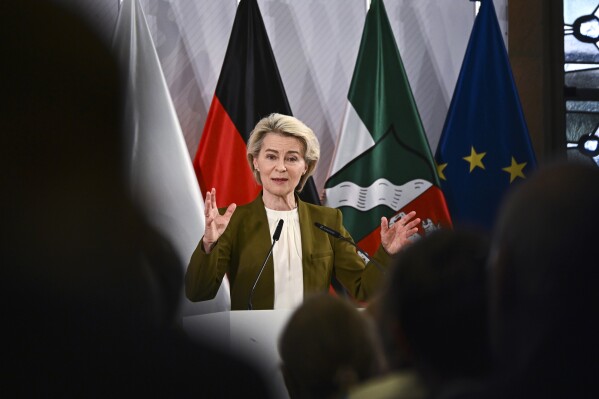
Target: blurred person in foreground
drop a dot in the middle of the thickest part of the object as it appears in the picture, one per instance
(432, 318)
(282, 153)
(89, 290)
(327, 347)
(544, 286)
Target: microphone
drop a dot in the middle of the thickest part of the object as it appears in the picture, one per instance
(275, 238)
(337, 234)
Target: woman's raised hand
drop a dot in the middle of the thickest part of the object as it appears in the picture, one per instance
(395, 237)
(215, 222)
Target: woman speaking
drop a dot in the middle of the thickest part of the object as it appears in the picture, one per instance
(282, 153)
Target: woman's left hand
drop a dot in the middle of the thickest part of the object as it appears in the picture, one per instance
(395, 237)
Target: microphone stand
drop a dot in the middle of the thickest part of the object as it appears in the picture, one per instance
(338, 235)
(275, 238)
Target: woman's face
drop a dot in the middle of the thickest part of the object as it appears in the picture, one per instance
(280, 163)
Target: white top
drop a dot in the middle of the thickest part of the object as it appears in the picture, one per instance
(287, 258)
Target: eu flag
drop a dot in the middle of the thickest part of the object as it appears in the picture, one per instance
(485, 147)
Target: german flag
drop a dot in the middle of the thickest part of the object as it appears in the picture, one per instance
(249, 88)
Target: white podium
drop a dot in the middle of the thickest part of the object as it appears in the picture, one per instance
(252, 334)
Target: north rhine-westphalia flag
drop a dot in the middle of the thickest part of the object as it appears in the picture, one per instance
(249, 88)
(485, 147)
(383, 164)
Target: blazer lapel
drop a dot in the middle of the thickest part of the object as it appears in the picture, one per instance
(264, 293)
(317, 254)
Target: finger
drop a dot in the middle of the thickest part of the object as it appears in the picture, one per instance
(207, 204)
(412, 231)
(208, 224)
(408, 217)
(230, 209)
(414, 223)
(214, 198)
(384, 224)
(214, 203)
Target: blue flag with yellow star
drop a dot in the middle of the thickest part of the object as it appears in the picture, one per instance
(485, 147)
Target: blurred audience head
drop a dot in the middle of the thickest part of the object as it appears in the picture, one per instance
(327, 347)
(433, 310)
(544, 281)
(63, 109)
(83, 273)
(90, 291)
(70, 229)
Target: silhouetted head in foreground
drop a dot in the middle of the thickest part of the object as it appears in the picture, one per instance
(544, 283)
(433, 311)
(89, 289)
(327, 347)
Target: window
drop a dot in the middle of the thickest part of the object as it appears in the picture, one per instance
(581, 68)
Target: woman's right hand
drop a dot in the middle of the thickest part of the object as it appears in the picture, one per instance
(216, 223)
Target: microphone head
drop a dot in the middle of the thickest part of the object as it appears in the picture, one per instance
(277, 233)
(328, 230)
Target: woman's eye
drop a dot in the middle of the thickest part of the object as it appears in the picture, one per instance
(270, 156)
(292, 159)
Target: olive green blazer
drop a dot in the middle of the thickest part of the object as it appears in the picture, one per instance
(242, 248)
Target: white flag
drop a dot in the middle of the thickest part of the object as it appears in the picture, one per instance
(161, 175)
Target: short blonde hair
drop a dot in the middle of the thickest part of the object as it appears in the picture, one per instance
(287, 126)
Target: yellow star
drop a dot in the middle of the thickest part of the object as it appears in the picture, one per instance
(475, 159)
(515, 170)
(440, 169)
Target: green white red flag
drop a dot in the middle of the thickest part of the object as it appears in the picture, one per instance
(383, 165)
